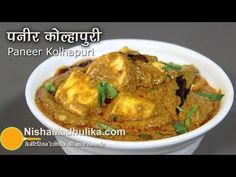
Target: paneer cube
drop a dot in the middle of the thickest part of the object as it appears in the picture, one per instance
(115, 68)
(130, 107)
(119, 66)
(76, 94)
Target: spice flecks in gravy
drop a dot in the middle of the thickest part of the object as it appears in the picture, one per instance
(147, 98)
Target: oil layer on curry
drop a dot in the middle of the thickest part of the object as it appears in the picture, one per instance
(147, 98)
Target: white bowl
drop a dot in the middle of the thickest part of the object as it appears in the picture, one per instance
(182, 144)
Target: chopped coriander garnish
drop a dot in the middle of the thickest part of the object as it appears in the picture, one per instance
(112, 92)
(172, 66)
(189, 114)
(180, 128)
(50, 87)
(101, 93)
(144, 136)
(158, 132)
(105, 127)
(105, 90)
(211, 96)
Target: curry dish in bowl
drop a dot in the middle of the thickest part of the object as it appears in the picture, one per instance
(127, 90)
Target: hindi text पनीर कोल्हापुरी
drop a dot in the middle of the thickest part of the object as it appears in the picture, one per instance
(26, 35)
